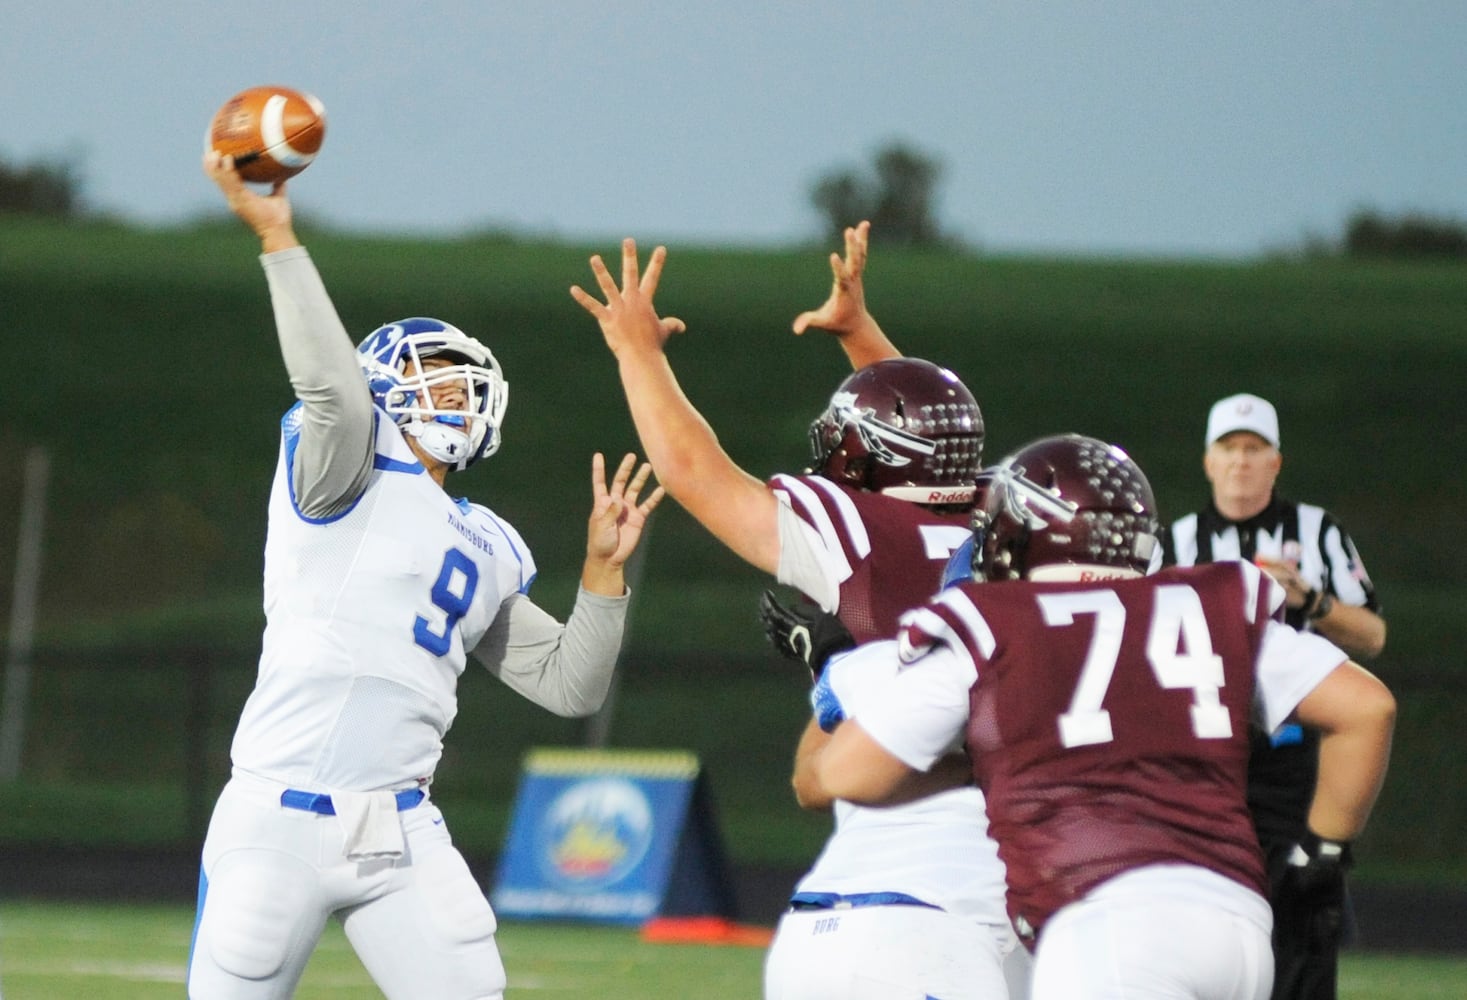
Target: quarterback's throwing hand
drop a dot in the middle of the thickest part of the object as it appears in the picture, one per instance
(268, 215)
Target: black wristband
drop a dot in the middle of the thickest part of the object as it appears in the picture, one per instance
(1322, 606)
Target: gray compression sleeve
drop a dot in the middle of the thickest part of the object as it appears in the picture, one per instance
(333, 457)
(564, 668)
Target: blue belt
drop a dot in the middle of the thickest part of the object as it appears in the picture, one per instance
(318, 802)
(835, 901)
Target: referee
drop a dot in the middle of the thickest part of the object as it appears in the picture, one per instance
(1308, 552)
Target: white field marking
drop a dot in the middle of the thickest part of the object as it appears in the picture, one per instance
(582, 985)
(158, 972)
(147, 972)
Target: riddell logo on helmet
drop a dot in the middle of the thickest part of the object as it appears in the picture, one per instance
(1092, 575)
(951, 494)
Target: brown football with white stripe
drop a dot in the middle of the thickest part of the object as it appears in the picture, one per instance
(272, 132)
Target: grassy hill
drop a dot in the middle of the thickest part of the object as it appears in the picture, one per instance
(145, 363)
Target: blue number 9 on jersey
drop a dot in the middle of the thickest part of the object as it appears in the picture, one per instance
(453, 593)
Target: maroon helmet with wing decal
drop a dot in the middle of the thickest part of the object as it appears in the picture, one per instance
(904, 427)
(1065, 501)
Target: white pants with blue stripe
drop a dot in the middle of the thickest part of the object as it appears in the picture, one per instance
(273, 875)
(892, 952)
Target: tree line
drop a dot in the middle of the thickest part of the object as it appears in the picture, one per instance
(898, 194)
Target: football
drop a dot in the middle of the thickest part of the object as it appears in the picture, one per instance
(272, 132)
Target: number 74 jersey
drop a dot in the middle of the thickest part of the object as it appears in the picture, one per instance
(1107, 721)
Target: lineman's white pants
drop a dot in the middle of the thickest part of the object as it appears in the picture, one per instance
(887, 953)
(1129, 941)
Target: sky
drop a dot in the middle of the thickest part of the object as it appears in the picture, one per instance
(1089, 127)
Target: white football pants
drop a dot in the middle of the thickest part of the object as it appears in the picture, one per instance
(272, 876)
(890, 953)
(1161, 948)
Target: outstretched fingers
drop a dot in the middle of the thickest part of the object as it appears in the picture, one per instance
(589, 302)
(629, 487)
(857, 238)
(654, 269)
(629, 267)
(605, 282)
(623, 473)
(638, 484)
(598, 477)
(627, 315)
(650, 280)
(647, 506)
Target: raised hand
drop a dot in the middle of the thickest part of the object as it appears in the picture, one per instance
(628, 319)
(268, 215)
(618, 516)
(845, 309)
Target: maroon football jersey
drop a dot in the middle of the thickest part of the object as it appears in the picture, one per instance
(1108, 727)
(895, 549)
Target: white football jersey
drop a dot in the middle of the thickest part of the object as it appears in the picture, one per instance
(369, 617)
(935, 849)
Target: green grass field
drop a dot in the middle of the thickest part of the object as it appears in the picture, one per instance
(52, 950)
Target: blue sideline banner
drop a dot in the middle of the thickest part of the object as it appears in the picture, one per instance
(612, 836)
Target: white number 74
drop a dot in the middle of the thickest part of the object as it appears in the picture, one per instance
(1177, 623)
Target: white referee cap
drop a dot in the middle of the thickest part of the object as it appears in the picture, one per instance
(1243, 412)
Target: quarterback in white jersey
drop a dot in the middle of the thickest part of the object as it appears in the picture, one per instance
(378, 585)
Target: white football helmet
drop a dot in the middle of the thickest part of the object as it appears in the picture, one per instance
(457, 437)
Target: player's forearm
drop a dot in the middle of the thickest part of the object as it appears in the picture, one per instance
(588, 652)
(809, 793)
(866, 343)
(314, 343)
(278, 237)
(678, 441)
(599, 576)
(566, 669)
(855, 767)
(1358, 631)
(693, 467)
(951, 771)
(1352, 767)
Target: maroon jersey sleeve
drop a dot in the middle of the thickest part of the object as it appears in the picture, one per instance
(895, 550)
(1109, 727)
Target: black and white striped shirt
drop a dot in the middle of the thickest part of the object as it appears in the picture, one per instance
(1282, 769)
(1302, 533)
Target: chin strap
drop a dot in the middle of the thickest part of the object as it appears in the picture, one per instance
(444, 442)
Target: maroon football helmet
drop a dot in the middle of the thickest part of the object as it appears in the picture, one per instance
(1063, 500)
(904, 427)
